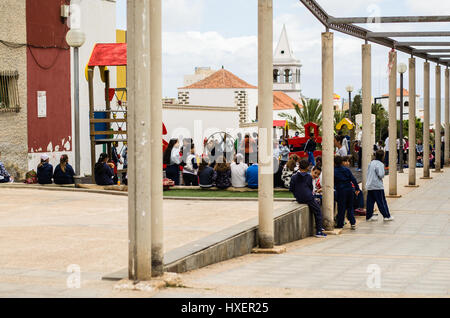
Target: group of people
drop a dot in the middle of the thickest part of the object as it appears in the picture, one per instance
(207, 171)
(62, 174)
(305, 184)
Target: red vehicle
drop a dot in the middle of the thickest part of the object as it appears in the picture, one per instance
(297, 144)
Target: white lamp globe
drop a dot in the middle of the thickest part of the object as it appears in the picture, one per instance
(349, 88)
(75, 37)
(401, 68)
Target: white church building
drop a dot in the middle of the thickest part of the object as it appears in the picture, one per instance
(227, 103)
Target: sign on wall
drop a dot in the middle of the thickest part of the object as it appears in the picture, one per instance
(42, 104)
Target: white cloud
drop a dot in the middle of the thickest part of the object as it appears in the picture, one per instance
(429, 7)
(182, 14)
(183, 51)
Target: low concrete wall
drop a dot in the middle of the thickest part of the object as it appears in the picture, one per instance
(292, 223)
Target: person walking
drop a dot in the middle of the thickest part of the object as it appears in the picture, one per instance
(375, 189)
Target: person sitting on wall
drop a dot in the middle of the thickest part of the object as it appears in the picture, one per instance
(104, 171)
(45, 170)
(64, 172)
(252, 176)
(301, 187)
(4, 175)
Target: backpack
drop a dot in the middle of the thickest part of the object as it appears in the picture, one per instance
(31, 177)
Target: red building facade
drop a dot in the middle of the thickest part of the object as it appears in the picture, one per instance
(48, 70)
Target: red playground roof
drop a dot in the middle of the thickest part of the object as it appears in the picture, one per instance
(109, 54)
(279, 123)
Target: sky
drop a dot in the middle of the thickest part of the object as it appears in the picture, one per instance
(216, 32)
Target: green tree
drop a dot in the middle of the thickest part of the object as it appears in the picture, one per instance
(310, 112)
(381, 122)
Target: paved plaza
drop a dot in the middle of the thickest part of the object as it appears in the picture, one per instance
(43, 232)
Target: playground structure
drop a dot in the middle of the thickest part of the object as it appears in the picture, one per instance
(297, 143)
(108, 125)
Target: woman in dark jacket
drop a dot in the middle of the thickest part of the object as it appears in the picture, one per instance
(104, 171)
(64, 172)
(44, 171)
(343, 179)
(222, 172)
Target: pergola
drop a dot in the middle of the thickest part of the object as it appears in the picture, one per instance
(414, 49)
(145, 118)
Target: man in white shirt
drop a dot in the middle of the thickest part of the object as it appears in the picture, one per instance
(238, 172)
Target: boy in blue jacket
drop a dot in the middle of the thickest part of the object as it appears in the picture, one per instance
(344, 182)
(302, 188)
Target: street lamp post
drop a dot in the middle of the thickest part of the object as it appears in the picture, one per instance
(76, 38)
(349, 89)
(401, 69)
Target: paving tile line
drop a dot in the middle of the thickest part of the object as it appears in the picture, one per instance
(431, 258)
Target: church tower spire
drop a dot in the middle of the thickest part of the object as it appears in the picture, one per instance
(286, 68)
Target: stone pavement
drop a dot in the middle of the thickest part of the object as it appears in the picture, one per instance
(411, 256)
(41, 233)
(44, 232)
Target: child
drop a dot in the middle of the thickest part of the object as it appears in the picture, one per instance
(316, 174)
(222, 172)
(251, 176)
(375, 189)
(343, 179)
(64, 172)
(288, 170)
(206, 174)
(302, 188)
(358, 199)
(104, 171)
(309, 148)
(4, 175)
(190, 169)
(45, 170)
(238, 172)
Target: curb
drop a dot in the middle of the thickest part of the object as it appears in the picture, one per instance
(122, 193)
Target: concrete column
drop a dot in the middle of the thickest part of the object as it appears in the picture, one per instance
(437, 122)
(393, 124)
(155, 142)
(265, 123)
(366, 113)
(412, 123)
(426, 120)
(328, 130)
(447, 115)
(139, 141)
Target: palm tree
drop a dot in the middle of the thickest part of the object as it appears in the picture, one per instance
(310, 112)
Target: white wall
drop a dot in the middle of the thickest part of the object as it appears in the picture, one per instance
(252, 95)
(419, 112)
(211, 97)
(98, 21)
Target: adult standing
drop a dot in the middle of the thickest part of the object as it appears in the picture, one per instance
(386, 151)
(310, 147)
